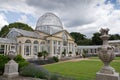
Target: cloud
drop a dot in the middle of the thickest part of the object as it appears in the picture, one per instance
(72, 12)
(23, 19)
(27, 19)
(3, 20)
(16, 6)
(85, 16)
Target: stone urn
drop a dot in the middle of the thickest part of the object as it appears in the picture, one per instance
(11, 55)
(106, 53)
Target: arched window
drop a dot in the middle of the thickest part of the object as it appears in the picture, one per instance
(42, 43)
(35, 48)
(27, 48)
(27, 41)
(35, 42)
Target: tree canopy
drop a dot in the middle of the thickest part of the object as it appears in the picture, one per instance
(96, 40)
(5, 29)
(114, 37)
(80, 39)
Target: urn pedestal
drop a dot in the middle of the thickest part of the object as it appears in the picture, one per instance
(104, 76)
(106, 54)
(11, 68)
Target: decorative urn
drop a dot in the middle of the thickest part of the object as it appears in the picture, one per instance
(11, 55)
(106, 53)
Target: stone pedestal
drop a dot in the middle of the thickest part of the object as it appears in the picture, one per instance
(103, 76)
(11, 69)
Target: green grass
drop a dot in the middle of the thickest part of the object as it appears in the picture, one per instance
(81, 70)
(116, 58)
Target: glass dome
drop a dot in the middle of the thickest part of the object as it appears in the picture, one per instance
(49, 23)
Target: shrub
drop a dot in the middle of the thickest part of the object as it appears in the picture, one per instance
(32, 70)
(21, 61)
(42, 62)
(3, 60)
(117, 55)
(39, 54)
(76, 53)
(85, 53)
(70, 53)
(55, 59)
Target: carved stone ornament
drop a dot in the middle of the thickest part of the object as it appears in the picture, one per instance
(106, 53)
(11, 55)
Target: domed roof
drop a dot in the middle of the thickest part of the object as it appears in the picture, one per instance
(47, 21)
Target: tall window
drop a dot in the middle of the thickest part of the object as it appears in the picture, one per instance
(2, 47)
(64, 36)
(35, 49)
(27, 48)
(42, 46)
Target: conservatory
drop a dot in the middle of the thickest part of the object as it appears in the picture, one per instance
(48, 35)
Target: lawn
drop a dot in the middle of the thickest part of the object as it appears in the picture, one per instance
(116, 58)
(81, 70)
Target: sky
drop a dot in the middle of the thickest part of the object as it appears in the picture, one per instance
(84, 16)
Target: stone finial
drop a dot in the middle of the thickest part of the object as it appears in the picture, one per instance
(104, 31)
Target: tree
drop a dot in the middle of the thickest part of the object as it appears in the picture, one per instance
(45, 54)
(39, 54)
(80, 39)
(77, 36)
(64, 52)
(114, 37)
(96, 40)
(5, 29)
(70, 53)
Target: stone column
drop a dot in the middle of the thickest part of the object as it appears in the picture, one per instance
(22, 50)
(4, 48)
(51, 48)
(7, 49)
(68, 47)
(32, 50)
(60, 49)
(73, 49)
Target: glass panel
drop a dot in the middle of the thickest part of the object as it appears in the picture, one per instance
(27, 41)
(35, 50)
(2, 49)
(35, 42)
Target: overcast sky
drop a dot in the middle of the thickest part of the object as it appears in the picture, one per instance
(84, 16)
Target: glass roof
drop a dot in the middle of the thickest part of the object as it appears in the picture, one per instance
(49, 23)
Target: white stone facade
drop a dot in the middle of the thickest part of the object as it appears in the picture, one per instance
(52, 39)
